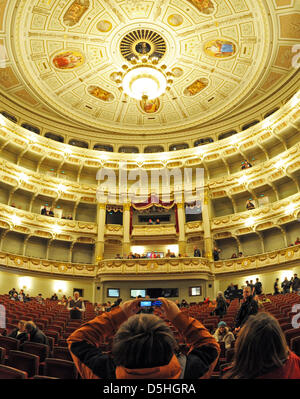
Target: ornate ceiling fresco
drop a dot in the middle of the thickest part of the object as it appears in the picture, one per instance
(64, 57)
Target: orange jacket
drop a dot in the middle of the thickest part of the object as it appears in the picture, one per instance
(92, 363)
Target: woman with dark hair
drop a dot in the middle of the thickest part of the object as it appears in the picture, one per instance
(261, 351)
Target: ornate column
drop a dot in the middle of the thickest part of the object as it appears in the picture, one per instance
(206, 219)
(126, 229)
(101, 216)
(181, 226)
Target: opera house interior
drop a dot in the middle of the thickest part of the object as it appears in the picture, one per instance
(193, 103)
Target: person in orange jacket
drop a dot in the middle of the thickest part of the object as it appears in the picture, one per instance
(144, 346)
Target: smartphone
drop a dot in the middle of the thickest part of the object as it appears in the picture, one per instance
(150, 302)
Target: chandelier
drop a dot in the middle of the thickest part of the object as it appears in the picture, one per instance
(144, 79)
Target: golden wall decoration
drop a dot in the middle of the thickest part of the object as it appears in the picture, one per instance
(68, 60)
(205, 6)
(196, 87)
(75, 12)
(177, 72)
(99, 93)
(220, 48)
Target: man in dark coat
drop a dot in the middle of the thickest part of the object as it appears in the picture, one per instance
(35, 334)
(248, 307)
(296, 284)
(258, 287)
(20, 332)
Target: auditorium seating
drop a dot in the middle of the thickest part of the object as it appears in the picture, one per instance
(60, 368)
(10, 373)
(24, 361)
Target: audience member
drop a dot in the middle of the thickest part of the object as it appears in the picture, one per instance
(221, 307)
(116, 303)
(27, 298)
(258, 287)
(54, 297)
(233, 256)
(240, 254)
(216, 253)
(285, 285)
(40, 299)
(11, 292)
(184, 304)
(297, 242)
(261, 352)
(118, 256)
(246, 165)
(14, 297)
(177, 303)
(296, 284)
(108, 306)
(76, 306)
(276, 287)
(197, 253)
(157, 221)
(35, 334)
(51, 212)
(144, 346)
(70, 217)
(223, 334)
(20, 333)
(150, 221)
(249, 205)
(248, 307)
(21, 296)
(252, 287)
(168, 254)
(44, 211)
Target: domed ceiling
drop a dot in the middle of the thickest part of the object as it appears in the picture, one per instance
(66, 58)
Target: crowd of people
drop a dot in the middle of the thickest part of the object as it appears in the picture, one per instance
(50, 212)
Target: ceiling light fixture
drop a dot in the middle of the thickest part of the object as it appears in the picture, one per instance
(144, 79)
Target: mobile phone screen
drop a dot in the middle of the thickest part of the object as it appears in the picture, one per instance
(145, 303)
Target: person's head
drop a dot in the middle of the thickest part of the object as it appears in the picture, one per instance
(295, 275)
(257, 279)
(277, 279)
(30, 326)
(21, 325)
(222, 327)
(143, 341)
(285, 279)
(251, 281)
(76, 295)
(15, 295)
(246, 292)
(220, 294)
(260, 347)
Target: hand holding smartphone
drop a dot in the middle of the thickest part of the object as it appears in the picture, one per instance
(150, 302)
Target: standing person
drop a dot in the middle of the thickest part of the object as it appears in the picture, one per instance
(197, 253)
(221, 308)
(54, 297)
(296, 284)
(248, 307)
(285, 285)
(261, 352)
(144, 346)
(11, 292)
(257, 287)
(216, 253)
(276, 287)
(39, 299)
(223, 334)
(76, 306)
(21, 296)
(252, 287)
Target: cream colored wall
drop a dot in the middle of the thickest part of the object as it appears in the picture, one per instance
(267, 278)
(44, 285)
(155, 246)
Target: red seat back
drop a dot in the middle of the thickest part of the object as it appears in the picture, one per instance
(10, 373)
(59, 368)
(24, 361)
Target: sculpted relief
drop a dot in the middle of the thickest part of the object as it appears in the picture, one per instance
(99, 93)
(205, 6)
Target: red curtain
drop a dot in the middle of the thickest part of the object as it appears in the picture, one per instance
(131, 225)
(153, 200)
(176, 219)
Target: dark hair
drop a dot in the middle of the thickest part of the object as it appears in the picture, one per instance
(30, 326)
(260, 347)
(143, 341)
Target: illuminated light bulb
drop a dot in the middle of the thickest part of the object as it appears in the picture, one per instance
(250, 221)
(67, 150)
(23, 177)
(16, 220)
(279, 164)
(243, 179)
(56, 229)
(290, 209)
(61, 187)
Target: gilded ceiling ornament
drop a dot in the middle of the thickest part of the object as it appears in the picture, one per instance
(101, 94)
(75, 12)
(68, 60)
(175, 20)
(177, 72)
(220, 48)
(205, 6)
(142, 42)
(196, 87)
(104, 26)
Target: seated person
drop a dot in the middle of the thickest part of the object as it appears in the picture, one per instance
(39, 298)
(297, 242)
(240, 255)
(35, 334)
(118, 256)
(70, 217)
(197, 253)
(14, 297)
(51, 212)
(223, 334)
(172, 255)
(168, 254)
(246, 165)
(137, 356)
(150, 221)
(54, 297)
(233, 256)
(249, 205)
(184, 304)
(157, 221)
(20, 332)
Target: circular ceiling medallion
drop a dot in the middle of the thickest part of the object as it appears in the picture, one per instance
(104, 26)
(142, 42)
(175, 20)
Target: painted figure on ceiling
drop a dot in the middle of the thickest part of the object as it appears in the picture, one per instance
(204, 6)
(68, 60)
(220, 48)
(196, 87)
(101, 94)
(150, 106)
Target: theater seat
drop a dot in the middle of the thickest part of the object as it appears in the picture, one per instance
(59, 368)
(9, 344)
(40, 350)
(2, 355)
(10, 373)
(43, 377)
(289, 334)
(295, 345)
(62, 353)
(24, 361)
